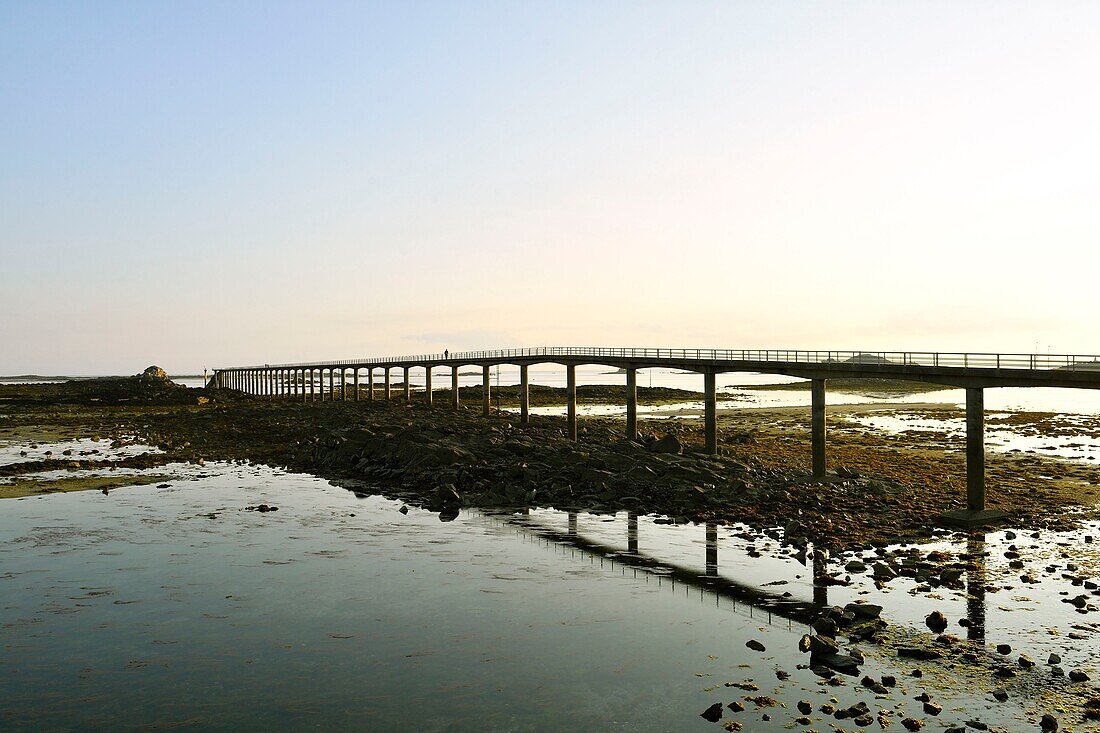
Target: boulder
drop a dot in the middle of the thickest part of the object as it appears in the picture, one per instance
(667, 444)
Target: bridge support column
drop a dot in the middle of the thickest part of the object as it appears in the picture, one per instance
(631, 403)
(975, 449)
(356, 384)
(573, 524)
(632, 531)
(331, 383)
(485, 398)
(312, 385)
(428, 385)
(817, 426)
(710, 413)
(408, 397)
(387, 385)
(454, 388)
(344, 384)
(975, 514)
(524, 402)
(571, 400)
(370, 383)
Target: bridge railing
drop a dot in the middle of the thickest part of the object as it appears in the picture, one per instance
(1064, 362)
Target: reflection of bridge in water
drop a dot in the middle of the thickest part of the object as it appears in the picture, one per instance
(972, 371)
(726, 588)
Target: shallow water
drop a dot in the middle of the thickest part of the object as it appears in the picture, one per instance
(177, 606)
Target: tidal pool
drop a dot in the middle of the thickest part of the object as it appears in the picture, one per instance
(180, 607)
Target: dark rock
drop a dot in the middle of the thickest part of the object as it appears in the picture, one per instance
(713, 713)
(1048, 723)
(755, 645)
(936, 621)
(667, 444)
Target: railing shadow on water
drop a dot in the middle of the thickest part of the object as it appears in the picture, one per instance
(743, 597)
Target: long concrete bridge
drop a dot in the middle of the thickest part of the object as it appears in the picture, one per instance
(971, 371)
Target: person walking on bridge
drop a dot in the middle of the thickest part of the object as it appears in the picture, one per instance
(446, 354)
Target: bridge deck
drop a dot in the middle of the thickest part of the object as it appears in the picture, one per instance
(955, 369)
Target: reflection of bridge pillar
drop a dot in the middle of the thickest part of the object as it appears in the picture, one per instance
(817, 425)
(573, 523)
(712, 549)
(485, 390)
(821, 585)
(454, 387)
(632, 531)
(975, 449)
(571, 400)
(710, 413)
(524, 397)
(975, 586)
(631, 403)
(428, 384)
(821, 588)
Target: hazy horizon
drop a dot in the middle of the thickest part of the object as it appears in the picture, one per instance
(207, 184)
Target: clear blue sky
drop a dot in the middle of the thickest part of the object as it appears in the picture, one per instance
(197, 184)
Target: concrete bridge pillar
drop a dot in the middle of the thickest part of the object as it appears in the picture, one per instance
(455, 398)
(355, 384)
(975, 449)
(312, 385)
(524, 402)
(331, 384)
(386, 388)
(710, 413)
(485, 390)
(631, 403)
(343, 384)
(817, 426)
(571, 400)
(428, 385)
(370, 383)
(408, 396)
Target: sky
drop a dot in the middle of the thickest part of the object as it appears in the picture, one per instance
(204, 184)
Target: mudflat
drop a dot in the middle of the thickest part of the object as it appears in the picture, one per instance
(889, 489)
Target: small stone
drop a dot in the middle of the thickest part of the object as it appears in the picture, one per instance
(912, 724)
(736, 707)
(1000, 695)
(936, 621)
(712, 714)
(1077, 675)
(1049, 723)
(1025, 661)
(805, 707)
(1054, 659)
(1004, 649)
(932, 708)
(755, 645)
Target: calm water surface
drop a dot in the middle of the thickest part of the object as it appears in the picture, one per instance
(177, 607)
